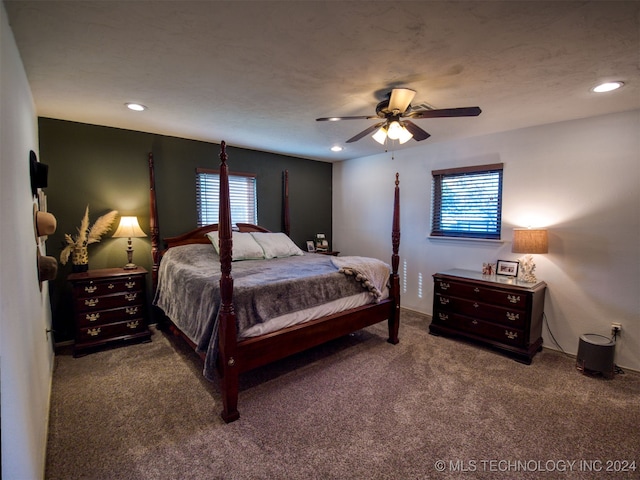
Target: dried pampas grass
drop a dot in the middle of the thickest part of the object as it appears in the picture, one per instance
(87, 235)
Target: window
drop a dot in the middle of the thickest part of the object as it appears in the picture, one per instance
(467, 202)
(242, 196)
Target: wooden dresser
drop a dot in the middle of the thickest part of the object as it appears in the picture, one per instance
(109, 306)
(502, 312)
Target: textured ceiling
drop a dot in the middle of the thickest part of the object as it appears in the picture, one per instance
(257, 74)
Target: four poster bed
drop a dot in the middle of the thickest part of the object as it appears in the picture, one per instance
(312, 298)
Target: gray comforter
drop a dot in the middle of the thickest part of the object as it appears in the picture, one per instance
(188, 291)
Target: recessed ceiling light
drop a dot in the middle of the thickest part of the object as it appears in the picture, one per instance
(135, 107)
(336, 148)
(607, 87)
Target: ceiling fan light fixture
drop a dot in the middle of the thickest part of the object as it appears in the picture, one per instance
(405, 135)
(380, 136)
(395, 130)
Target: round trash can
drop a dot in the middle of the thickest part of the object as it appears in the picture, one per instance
(595, 355)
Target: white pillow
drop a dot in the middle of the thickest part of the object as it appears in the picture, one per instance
(244, 246)
(276, 245)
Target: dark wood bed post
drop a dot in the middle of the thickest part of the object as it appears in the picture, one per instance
(394, 319)
(285, 205)
(227, 329)
(153, 224)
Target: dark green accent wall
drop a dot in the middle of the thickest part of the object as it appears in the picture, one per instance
(107, 168)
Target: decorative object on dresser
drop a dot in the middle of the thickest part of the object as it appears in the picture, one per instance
(501, 312)
(76, 246)
(322, 245)
(109, 306)
(507, 268)
(529, 240)
(128, 229)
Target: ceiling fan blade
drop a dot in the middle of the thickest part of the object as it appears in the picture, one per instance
(417, 132)
(447, 112)
(335, 119)
(400, 99)
(366, 132)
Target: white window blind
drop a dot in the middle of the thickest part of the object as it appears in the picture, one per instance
(467, 202)
(242, 196)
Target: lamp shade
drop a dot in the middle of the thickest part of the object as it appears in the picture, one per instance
(529, 240)
(129, 228)
(380, 136)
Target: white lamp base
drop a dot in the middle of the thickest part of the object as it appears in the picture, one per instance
(527, 269)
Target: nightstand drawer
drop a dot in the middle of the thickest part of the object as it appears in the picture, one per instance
(91, 319)
(476, 327)
(111, 331)
(480, 292)
(93, 288)
(108, 301)
(506, 316)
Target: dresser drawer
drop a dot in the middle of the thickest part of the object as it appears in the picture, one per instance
(93, 288)
(481, 329)
(509, 317)
(101, 317)
(479, 292)
(111, 331)
(89, 304)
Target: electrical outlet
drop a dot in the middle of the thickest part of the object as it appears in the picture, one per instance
(616, 328)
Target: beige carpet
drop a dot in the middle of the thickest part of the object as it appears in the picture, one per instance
(357, 408)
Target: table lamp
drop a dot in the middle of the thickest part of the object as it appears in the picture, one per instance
(529, 240)
(129, 228)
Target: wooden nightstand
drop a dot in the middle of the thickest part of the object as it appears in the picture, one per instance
(330, 252)
(498, 311)
(109, 306)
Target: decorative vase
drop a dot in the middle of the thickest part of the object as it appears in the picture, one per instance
(79, 259)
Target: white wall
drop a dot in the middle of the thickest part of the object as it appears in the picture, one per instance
(26, 353)
(580, 179)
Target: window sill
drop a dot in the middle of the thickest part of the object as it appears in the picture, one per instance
(485, 241)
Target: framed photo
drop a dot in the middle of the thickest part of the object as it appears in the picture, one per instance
(507, 267)
(310, 246)
(488, 268)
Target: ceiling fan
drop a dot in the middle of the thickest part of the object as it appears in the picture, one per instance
(394, 111)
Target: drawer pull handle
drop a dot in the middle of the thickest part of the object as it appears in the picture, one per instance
(131, 296)
(130, 284)
(513, 298)
(513, 316)
(475, 304)
(444, 300)
(133, 325)
(511, 335)
(91, 302)
(92, 317)
(474, 322)
(94, 332)
(477, 290)
(90, 288)
(443, 316)
(111, 286)
(444, 286)
(131, 310)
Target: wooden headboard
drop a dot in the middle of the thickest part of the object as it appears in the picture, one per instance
(198, 235)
